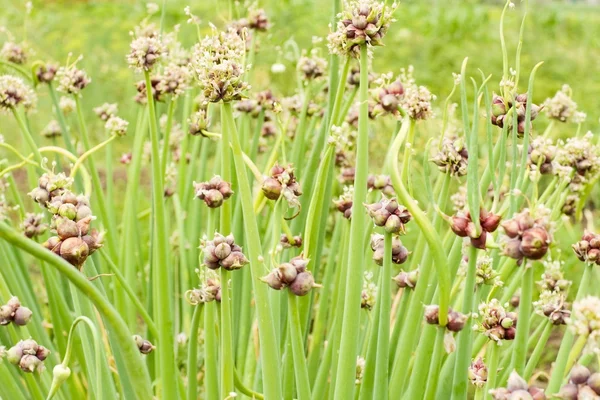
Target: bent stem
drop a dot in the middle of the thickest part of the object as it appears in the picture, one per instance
(97, 348)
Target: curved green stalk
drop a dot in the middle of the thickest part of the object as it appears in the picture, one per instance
(430, 234)
(98, 346)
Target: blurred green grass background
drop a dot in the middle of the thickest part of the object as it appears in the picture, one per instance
(434, 36)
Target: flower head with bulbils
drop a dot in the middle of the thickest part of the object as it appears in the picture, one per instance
(174, 80)
(289, 241)
(478, 373)
(33, 225)
(218, 64)
(143, 345)
(116, 126)
(363, 22)
(75, 241)
(223, 252)
(198, 123)
(553, 278)
(495, 322)
(407, 280)
(71, 80)
(416, 102)
(582, 385)
(485, 273)
(456, 320)
(542, 154)
(28, 355)
(344, 203)
(502, 110)
(553, 306)
(145, 52)
(14, 312)
(368, 296)
(257, 19)
(577, 159)
(463, 226)
(312, 66)
(13, 53)
(381, 182)
(517, 388)
(106, 110)
(453, 157)
(399, 252)
(45, 73)
(293, 275)
(386, 98)
(282, 182)
(585, 318)
(390, 215)
(14, 92)
(209, 290)
(213, 192)
(141, 97)
(528, 237)
(561, 107)
(588, 248)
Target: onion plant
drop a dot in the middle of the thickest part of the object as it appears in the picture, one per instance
(336, 242)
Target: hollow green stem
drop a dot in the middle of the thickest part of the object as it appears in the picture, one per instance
(344, 385)
(27, 135)
(525, 308)
(383, 338)
(161, 285)
(465, 337)
(269, 352)
(301, 372)
(562, 359)
(88, 153)
(539, 349)
(192, 360)
(491, 359)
